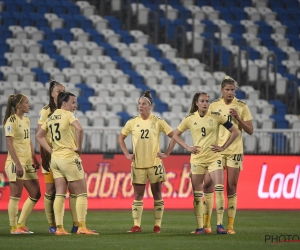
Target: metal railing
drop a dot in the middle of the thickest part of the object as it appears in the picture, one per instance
(104, 140)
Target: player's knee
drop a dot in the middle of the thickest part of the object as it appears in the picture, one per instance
(50, 190)
(231, 188)
(38, 196)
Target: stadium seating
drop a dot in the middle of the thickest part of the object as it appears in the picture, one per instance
(108, 67)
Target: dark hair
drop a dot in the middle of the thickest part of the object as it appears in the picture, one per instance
(12, 102)
(147, 96)
(52, 104)
(194, 107)
(63, 97)
(228, 80)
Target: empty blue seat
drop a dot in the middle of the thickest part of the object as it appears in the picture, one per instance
(280, 121)
(280, 108)
(98, 38)
(64, 34)
(279, 143)
(5, 33)
(57, 8)
(154, 51)
(167, 65)
(237, 27)
(12, 7)
(84, 104)
(125, 36)
(26, 21)
(178, 77)
(8, 19)
(124, 117)
(3, 61)
(26, 7)
(85, 89)
(144, 87)
(41, 76)
(72, 8)
(122, 63)
(61, 61)
(114, 23)
(202, 2)
(109, 50)
(240, 94)
(161, 107)
(4, 47)
(136, 79)
(41, 7)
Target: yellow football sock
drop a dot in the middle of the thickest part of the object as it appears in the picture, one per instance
(48, 205)
(219, 203)
(231, 211)
(59, 209)
(159, 206)
(207, 207)
(137, 210)
(198, 208)
(81, 208)
(13, 207)
(72, 204)
(26, 210)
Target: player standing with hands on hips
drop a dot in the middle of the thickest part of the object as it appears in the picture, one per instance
(238, 113)
(66, 135)
(204, 126)
(146, 159)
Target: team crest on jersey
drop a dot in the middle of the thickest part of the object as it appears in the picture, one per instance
(8, 129)
(211, 122)
(152, 125)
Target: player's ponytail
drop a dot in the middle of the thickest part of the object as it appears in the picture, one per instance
(52, 104)
(12, 102)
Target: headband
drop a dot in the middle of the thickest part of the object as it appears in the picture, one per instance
(146, 99)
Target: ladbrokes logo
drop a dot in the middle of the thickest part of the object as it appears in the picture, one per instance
(282, 238)
(103, 183)
(280, 185)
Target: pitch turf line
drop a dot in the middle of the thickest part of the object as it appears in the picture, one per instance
(251, 227)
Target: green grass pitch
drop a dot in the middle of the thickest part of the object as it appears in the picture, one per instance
(252, 229)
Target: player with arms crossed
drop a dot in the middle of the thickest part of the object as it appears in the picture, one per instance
(66, 135)
(204, 126)
(146, 159)
(237, 112)
(18, 166)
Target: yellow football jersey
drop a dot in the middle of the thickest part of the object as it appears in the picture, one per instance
(62, 133)
(146, 139)
(204, 132)
(19, 129)
(220, 106)
(44, 113)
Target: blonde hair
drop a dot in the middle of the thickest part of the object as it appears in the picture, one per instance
(228, 80)
(12, 102)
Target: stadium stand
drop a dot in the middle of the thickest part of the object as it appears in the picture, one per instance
(107, 56)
